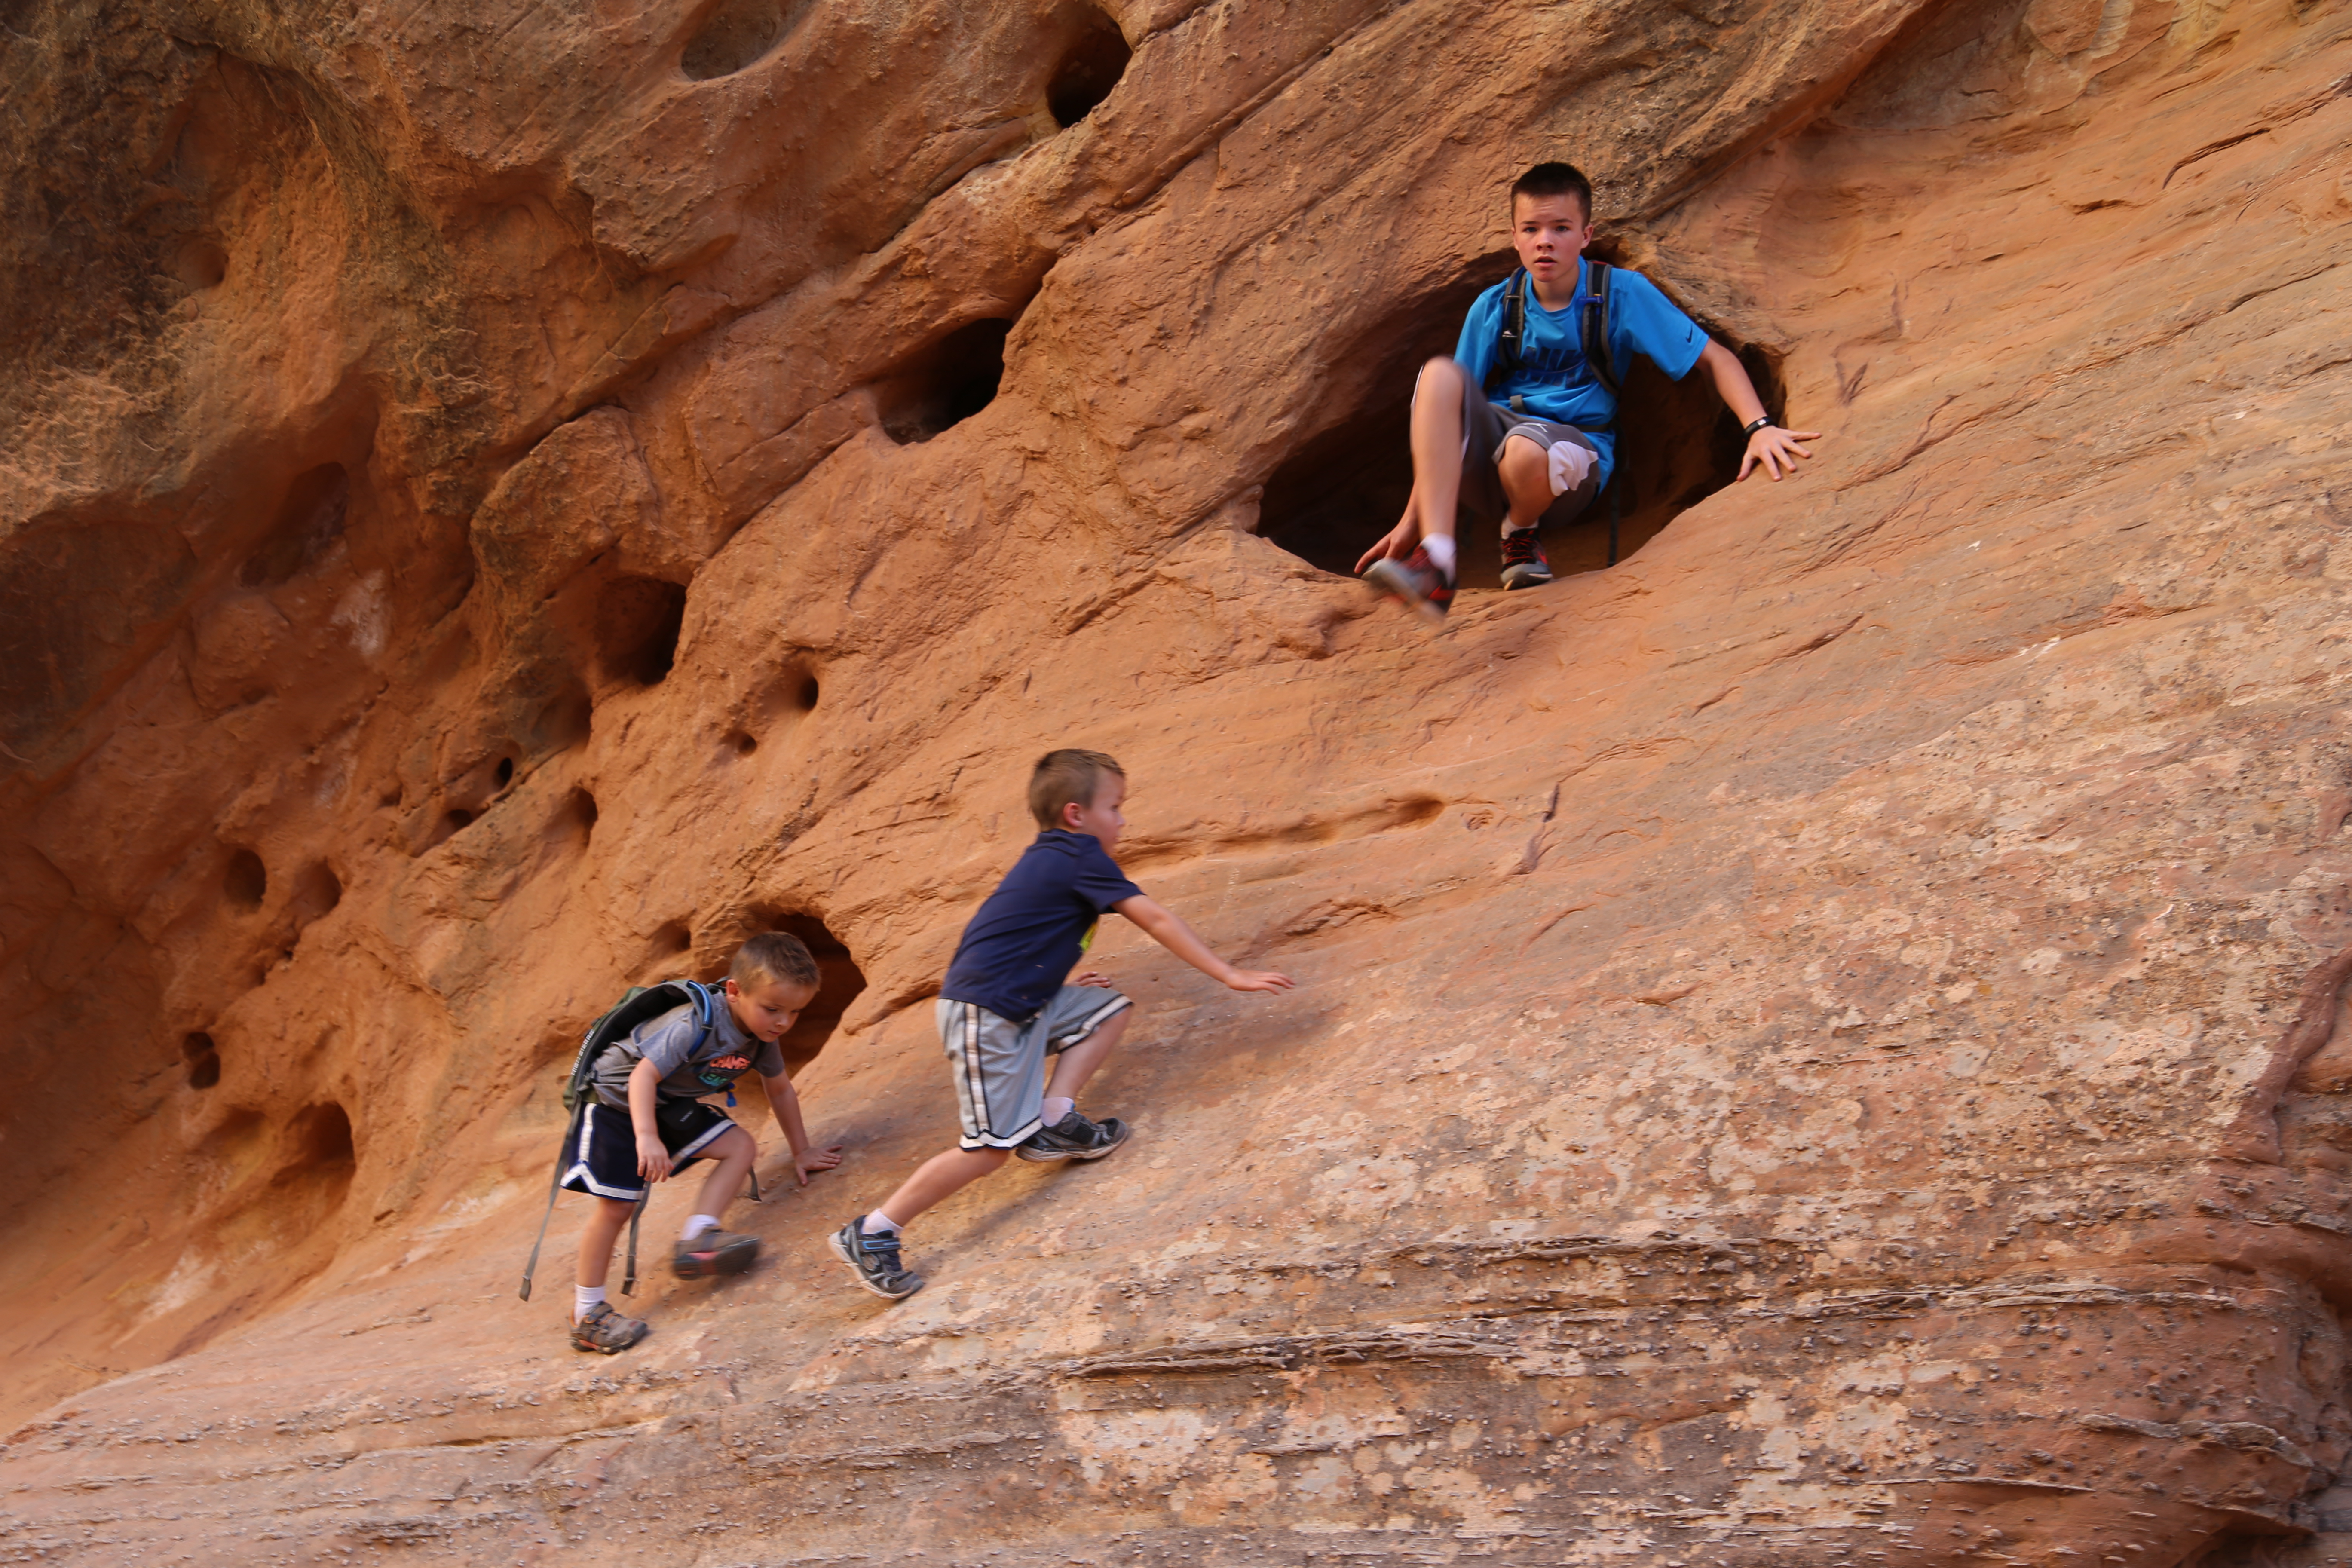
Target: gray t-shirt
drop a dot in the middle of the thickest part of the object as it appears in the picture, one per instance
(688, 1073)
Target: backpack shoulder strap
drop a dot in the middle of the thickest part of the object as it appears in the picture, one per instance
(1511, 334)
(1593, 327)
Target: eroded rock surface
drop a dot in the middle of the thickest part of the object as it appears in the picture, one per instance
(1816, 1044)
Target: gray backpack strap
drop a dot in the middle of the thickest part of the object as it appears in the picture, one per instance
(629, 1280)
(554, 1186)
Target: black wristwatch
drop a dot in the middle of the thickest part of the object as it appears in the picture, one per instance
(1761, 422)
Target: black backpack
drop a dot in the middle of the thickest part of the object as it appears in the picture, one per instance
(642, 1005)
(1593, 337)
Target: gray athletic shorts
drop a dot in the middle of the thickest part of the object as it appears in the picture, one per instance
(1484, 427)
(1000, 1066)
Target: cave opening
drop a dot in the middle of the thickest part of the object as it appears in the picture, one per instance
(1346, 484)
(637, 625)
(1091, 65)
(946, 384)
(839, 980)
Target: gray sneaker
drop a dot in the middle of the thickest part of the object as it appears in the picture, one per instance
(607, 1331)
(715, 1252)
(873, 1257)
(1074, 1138)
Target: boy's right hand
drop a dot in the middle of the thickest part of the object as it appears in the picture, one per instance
(653, 1160)
(1260, 980)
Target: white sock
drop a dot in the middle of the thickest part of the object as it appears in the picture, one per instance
(696, 1224)
(1057, 1108)
(1441, 552)
(876, 1221)
(585, 1298)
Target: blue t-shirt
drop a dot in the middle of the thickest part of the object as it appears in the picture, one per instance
(1553, 380)
(1026, 938)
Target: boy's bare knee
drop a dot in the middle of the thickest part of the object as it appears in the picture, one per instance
(1444, 374)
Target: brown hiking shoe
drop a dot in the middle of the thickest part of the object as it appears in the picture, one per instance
(606, 1330)
(715, 1252)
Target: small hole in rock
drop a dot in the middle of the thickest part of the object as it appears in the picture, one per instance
(806, 696)
(574, 821)
(196, 1043)
(204, 1071)
(317, 891)
(246, 881)
(743, 743)
(199, 265)
(504, 773)
(455, 817)
(637, 624)
(670, 939)
(945, 385)
(309, 520)
(1090, 66)
(738, 33)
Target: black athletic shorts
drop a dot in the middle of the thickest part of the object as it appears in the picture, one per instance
(605, 1155)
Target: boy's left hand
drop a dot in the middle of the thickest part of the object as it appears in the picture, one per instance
(808, 1164)
(1093, 977)
(1776, 451)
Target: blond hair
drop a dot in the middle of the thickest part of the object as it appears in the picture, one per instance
(772, 957)
(1068, 777)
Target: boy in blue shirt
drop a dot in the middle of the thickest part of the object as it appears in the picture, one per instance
(1004, 1007)
(1525, 432)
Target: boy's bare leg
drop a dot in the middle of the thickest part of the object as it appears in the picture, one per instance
(604, 1228)
(1526, 468)
(734, 1153)
(1077, 1063)
(1436, 462)
(939, 1178)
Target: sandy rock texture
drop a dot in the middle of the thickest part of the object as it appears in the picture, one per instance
(1816, 1044)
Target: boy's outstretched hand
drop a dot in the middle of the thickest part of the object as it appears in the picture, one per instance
(1260, 980)
(1776, 451)
(653, 1160)
(805, 1165)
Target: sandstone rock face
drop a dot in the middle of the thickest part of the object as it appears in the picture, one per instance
(1816, 1043)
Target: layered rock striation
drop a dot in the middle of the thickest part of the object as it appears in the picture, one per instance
(1816, 1042)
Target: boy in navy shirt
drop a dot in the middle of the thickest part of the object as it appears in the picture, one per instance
(1004, 1007)
(1534, 442)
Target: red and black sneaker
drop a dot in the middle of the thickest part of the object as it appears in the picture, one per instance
(1524, 565)
(1416, 581)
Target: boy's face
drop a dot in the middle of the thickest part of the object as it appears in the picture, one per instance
(1549, 233)
(767, 1008)
(1099, 816)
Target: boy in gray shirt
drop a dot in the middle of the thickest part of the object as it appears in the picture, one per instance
(648, 1120)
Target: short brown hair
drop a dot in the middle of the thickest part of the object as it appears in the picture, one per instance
(773, 956)
(1554, 180)
(1067, 777)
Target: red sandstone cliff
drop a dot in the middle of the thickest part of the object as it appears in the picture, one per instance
(1815, 1043)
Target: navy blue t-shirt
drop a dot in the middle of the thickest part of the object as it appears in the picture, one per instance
(1553, 380)
(1025, 938)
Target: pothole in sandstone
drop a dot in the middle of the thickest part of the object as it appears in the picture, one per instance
(1092, 59)
(944, 384)
(201, 1055)
(778, 705)
(637, 624)
(1345, 486)
(736, 35)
